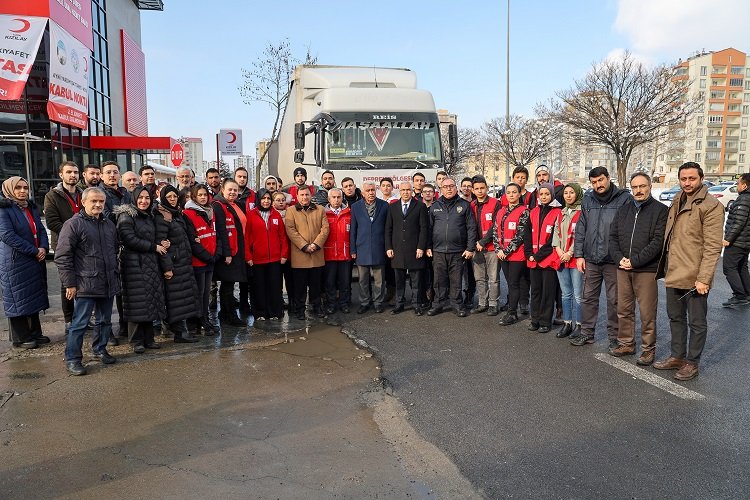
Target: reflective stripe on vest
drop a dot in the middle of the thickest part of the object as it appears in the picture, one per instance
(542, 236)
(509, 231)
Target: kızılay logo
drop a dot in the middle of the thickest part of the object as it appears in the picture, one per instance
(25, 25)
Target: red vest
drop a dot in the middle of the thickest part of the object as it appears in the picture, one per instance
(205, 231)
(540, 236)
(570, 237)
(337, 246)
(231, 226)
(507, 233)
(488, 210)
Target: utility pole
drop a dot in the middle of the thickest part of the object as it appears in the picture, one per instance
(507, 92)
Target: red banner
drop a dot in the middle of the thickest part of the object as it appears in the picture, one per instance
(20, 37)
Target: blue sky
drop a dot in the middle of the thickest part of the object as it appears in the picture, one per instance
(195, 50)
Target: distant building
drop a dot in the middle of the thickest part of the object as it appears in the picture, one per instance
(260, 149)
(193, 147)
(248, 163)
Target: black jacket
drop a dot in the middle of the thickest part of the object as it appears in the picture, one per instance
(86, 256)
(115, 198)
(737, 228)
(236, 271)
(637, 234)
(404, 234)
(58, 209)
(592, 229)
(453, 228)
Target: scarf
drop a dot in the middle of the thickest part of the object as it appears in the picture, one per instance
(9, 185)
(579, 195)
(165, 203)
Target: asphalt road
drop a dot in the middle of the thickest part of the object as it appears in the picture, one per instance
(526, 415)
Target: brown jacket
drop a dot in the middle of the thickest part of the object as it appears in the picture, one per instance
(304, 227)
(692, 241)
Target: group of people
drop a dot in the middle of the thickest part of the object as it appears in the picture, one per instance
(167, 255)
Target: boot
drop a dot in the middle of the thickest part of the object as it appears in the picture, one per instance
(209, 330)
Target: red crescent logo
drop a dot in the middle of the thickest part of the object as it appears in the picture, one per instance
(85, 64)
(26, 26)
(233, 136)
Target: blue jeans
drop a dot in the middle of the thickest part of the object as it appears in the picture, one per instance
(81, 314)
(571, 285)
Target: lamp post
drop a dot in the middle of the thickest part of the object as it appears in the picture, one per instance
(507, 89)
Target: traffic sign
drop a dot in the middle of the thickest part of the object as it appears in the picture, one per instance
(177, 153)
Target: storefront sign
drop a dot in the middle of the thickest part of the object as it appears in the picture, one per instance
(20, 38)
(68, 79)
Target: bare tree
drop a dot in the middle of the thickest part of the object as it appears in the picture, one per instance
(622, 105)
(267, 81)
(470, 144)
(521, 140)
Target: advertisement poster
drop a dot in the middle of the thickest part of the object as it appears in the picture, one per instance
(19, 44)
(68, 79)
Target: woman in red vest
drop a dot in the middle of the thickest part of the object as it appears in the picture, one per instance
(570, 278)
(511, 221)
(267, 245)
(201, 228)
(541, 259)
(230, 267)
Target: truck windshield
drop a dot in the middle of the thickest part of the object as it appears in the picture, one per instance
(384, 142)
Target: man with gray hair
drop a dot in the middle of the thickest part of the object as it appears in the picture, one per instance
(337, 274)
(184, 178)
(367, 239)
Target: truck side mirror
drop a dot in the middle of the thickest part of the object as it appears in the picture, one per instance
(453, 141)
(299, 136)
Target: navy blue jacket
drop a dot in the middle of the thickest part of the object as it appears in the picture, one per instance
(367, 237)
(453, 228)
(594, 223)
(22, 278)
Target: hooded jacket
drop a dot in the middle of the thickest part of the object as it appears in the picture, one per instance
(594, 223)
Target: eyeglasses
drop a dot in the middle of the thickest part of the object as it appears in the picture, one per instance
(449, 186)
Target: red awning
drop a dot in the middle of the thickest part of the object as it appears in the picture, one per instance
(147, 144)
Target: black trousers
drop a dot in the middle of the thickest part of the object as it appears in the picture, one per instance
(449, 272)
(692, 311)
(543, 294)
(25, 328)
(427, 281)
(734, 266)
(203, 277)
(471, 285)
(415, 277)
(67, 307)
(246, 289)
(286, 271)
(267, 299)
(141, 333)
(337, 278)
(226, 297)
(304, 279)
(513, 272)
(123, 323)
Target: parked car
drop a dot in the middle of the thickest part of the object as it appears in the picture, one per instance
(727, 183)
(725, 194)
(669, 194)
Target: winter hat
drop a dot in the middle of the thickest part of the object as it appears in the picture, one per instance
(300, 170)
(542, 168)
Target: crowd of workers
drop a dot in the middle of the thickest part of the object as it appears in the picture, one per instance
(168, 255)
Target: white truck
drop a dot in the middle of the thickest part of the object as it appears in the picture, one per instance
(360, 122)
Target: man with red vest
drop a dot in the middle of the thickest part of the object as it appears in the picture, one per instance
(542, 259)
(485, 261)
(60, 204)
(300, 178)
(337, 252)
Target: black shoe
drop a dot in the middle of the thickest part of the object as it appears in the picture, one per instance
(479, 309)
(461, 313)
(435, 311)
(105, 357)
(301, 315)
(508, 319)
(363, 309)
(139, 349)
(566, 330)
(397, 310)
(152, 345)
(42, 340)
(735, 301)
(209, 329)
(503, 308)
(185, 339)
(581, 340)
(492, 311)
(31, 344)
(378, 309)
(533, 327)
(75, 368)
(418, 311)
(543, 329)
(345, 309)
(232, 320)
(113, 340)
(524, 311)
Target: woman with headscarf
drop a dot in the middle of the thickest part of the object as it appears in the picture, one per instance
(23, 274)
(230, 234)
(570, 278)
(200, 224)
(180, 288)
(267, 246)
(142, 287)
(541, 258)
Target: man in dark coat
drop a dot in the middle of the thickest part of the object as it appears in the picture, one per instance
(635, 243)
(86, 257)
(405, 242)
(367, 239)
(737, 246)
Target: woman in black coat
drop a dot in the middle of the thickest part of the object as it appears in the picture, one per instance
(142, 287)
(180, 288)
(230, 267)
(23, 275)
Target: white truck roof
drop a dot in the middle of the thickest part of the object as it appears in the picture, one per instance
(326, 77)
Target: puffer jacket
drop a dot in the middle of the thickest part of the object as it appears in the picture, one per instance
(453, 228)
(737, 228)
(57, 209)
(637, 234)
(23, 279)
(115, 198)
(592, 230)
(692, 241)
(181, 291)
(142, 288)
(86, 256)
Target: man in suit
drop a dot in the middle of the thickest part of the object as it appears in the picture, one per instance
(367, 239)
(406, 241)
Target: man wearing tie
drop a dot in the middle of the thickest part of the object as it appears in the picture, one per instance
(367, 239)
(405, 242)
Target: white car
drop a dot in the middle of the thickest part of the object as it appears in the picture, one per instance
(725, 194)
